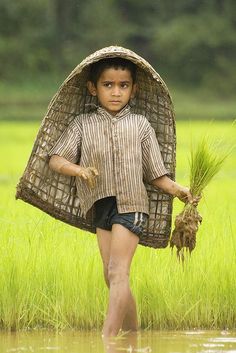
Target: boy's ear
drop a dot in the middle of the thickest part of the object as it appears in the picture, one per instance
(92, 89)
(134, 90)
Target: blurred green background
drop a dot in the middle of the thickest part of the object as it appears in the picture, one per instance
(191, 43)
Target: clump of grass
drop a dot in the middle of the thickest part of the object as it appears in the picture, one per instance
(205, 163)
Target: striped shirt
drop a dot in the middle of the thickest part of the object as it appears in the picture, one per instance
(122, 147)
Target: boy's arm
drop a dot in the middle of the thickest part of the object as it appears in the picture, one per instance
(171, 187)
(63, 166)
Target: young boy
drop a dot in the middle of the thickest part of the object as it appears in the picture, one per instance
(111, 152)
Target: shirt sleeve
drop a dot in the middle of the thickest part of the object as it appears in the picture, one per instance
(69, 143)
(153, 165)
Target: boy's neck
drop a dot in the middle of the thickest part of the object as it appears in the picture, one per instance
(124, 111)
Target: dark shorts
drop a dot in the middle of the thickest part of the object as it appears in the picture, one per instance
(106, 214)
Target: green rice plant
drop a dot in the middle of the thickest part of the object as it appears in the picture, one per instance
(205, 163)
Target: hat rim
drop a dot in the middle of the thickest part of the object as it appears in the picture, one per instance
(112, 52)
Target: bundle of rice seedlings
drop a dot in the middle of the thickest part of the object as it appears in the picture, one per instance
(204, 165)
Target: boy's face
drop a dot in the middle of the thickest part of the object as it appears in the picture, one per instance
(114, 89)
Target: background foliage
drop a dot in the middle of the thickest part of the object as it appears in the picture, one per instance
(191, 42)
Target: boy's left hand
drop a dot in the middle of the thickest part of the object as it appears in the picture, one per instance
(171, 187)
(185, 196)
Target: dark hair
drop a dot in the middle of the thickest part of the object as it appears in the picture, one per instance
(98, 67)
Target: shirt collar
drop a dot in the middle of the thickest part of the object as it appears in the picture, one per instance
(120, 115)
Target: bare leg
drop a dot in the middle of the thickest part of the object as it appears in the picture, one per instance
(104, 237)
(104, 244)
(130, 322)
(122, 249)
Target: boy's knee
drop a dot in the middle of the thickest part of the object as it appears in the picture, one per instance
(116, 273)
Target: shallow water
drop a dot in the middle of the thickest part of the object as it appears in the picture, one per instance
(143, 342)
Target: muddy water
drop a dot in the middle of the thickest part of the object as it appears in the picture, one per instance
(143, 342)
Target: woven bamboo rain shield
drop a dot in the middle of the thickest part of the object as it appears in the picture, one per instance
(54, 193)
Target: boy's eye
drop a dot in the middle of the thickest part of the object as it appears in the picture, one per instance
(122, 85)
(107, 84)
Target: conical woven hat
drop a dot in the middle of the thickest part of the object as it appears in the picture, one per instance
(56, 194)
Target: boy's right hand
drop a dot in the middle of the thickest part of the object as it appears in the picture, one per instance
(89, 174)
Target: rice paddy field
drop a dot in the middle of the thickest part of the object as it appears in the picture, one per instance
(51, 274)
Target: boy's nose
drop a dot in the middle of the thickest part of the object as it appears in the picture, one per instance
(116, 91)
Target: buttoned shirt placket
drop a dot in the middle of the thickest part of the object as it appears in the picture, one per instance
(117, 155)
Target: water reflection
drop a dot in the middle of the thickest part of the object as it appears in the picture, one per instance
(143, 342)
(127, 342)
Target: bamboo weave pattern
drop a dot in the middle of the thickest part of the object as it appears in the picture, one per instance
(55, 194)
